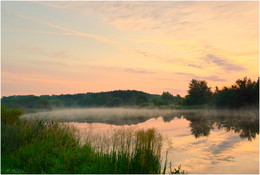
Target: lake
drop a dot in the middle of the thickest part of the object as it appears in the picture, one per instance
(202, 141)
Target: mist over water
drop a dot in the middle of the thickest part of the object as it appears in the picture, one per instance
(104, 115)
(110, 115)
(202, 141)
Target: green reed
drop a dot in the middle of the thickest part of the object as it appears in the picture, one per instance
(39, 146)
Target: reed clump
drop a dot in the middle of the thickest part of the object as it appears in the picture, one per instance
(51, 147)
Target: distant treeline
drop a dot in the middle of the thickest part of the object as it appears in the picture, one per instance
(109, 99)
(244, 93)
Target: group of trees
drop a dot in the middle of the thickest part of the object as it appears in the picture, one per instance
(105, 99)
(109, 99)
(199, 93)
(244, 93)
(166, 99)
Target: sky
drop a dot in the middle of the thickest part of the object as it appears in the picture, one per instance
(77, 47)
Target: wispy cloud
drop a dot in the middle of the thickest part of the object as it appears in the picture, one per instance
(69, 31)
(164, 15)
(213, 78)
(165, 59)
(145, 15)
(222, 63)
(35, 77)
(226, 145)
(59, 54)
(184, 73)
(138, 71)
(193, 76)
(122, 69)
(195, 66)
(169, 16)
(148, 55)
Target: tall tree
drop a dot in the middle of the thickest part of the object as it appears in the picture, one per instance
(199, 93)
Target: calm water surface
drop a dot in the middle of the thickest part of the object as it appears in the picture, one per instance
(203, 142)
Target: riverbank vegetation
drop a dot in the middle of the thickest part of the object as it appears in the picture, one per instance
(38, 146)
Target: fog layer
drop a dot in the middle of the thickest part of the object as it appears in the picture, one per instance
(130, 115)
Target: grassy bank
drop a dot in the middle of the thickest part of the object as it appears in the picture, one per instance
(51, 147)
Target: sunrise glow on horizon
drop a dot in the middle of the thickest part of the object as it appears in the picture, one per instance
(79, 47)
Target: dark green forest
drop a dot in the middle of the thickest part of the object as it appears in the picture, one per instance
(244, 93)
(102, 99)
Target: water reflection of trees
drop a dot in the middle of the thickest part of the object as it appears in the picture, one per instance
(200, 126)
(246, 126)
(202, 122)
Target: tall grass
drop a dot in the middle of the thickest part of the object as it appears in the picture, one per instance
(51, 147)
(129, 151)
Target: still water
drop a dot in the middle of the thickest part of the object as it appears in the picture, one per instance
(202, 141)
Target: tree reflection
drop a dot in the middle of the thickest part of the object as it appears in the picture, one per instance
(200, 126)
(244, 123)
(246, 126)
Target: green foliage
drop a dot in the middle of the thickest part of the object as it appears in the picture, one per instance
(112, 98)
(199, 93)
(244, 93)
(148, 151)
(156, 101)
(145, 104)
(167, 98)
(10, 116)
(28, 101)
(51, 147)
(141, 99)
(116, 101)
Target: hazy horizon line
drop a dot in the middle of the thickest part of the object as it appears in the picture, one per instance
(82, 93)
